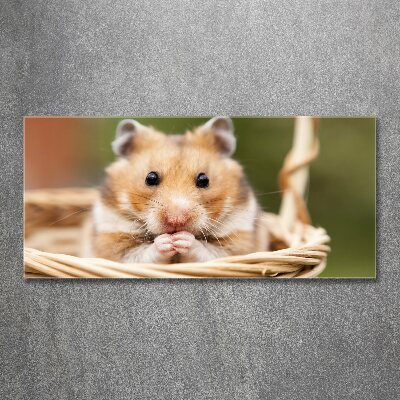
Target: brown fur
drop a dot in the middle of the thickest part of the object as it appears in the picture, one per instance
(178, 160)
(113, 245)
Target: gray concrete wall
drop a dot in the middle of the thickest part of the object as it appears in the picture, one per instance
(199, 339)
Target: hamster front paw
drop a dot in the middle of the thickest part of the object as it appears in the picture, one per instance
(164, 247)
(190, 249)
(183, 242)
(194, 250)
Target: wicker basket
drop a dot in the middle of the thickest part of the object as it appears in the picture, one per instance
(54, 223)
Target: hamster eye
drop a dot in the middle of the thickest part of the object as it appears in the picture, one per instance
(202, 180)
(152, 179)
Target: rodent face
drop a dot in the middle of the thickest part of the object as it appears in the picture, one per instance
(190, 186)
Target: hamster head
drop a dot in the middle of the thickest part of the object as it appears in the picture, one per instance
(171, 183)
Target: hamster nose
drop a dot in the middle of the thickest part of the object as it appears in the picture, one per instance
(177, 220)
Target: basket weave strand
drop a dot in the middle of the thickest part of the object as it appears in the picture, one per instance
(305, 260)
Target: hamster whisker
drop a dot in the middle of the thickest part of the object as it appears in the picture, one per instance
(243, 218)
(213, 226)
(148, 198)
(144, 197)
(222, 225)
(134, 219)
(207, 228)
(147, 233)
(70, 215)
(227, 208)
(133, 204)
(268, 193)
(256, 220)
(215, 200)
(205, 237)
(215, 220)
(212, 201)
(142, 226)
(129, 203)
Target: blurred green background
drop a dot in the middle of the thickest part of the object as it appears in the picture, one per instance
(341, 196)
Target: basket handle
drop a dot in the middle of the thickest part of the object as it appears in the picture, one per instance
(293, 177)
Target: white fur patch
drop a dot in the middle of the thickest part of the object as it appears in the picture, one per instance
(181, 201)
(202, 252)
(124, 202)
(226, 208)
(140, 254)
(152, 221)
(241, 219)
(107, 220)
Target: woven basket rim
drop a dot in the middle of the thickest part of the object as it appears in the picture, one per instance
(305, 260)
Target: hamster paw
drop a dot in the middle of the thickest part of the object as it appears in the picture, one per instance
(164, 247)
(183, 242)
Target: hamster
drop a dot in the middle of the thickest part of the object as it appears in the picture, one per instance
(175, 198)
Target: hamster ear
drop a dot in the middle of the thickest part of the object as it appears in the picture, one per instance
(123, 142)
(222, 130)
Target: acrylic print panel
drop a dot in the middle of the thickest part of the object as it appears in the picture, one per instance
(218, 197)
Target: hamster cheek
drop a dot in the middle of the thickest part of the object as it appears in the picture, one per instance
(153, 222)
